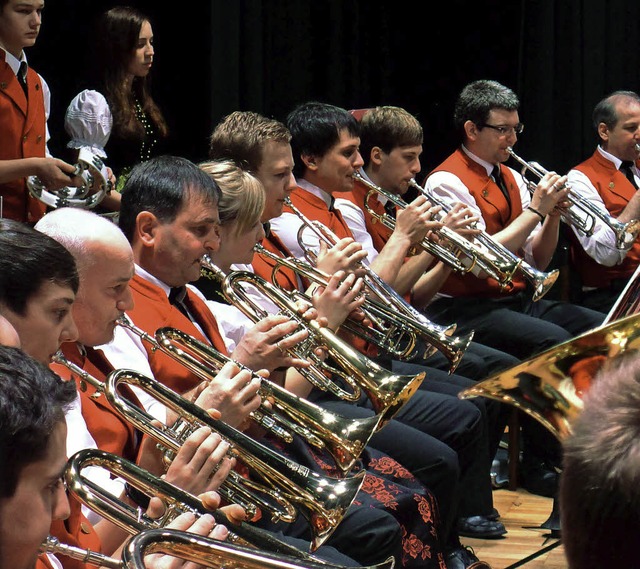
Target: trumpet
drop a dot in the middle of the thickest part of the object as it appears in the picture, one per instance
(498, 261)
(452, 348)
(581, 213)
(343, 438)
(204, 551)
(387, 392)
(213, 553)
(175, 501)
(91, 169)
(544, 387)
(394, 335)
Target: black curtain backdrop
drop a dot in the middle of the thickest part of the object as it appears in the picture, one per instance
(214, 57)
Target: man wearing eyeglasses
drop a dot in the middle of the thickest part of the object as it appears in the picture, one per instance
(527, 224)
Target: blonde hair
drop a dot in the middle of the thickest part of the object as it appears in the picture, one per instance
(242, 194)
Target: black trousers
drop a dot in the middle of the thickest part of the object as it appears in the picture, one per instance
(437, 437)
(522, 328)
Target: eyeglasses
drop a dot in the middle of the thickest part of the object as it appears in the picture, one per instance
(503, 130)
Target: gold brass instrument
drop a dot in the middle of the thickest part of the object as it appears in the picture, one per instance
(209, 552)
(343, 438)
(550, 386)
(391, 334)
(496, 260)
(453, 348)
(286, 485)
(581, 213)
(628, 302)
(92, 170)
(388, 392)
(175, 500)
(204, 551)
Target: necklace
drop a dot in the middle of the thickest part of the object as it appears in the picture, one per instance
(150, 139)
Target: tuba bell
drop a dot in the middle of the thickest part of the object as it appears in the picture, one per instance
(550, 386)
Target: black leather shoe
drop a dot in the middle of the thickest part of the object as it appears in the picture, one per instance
(494, 515)
(464, 558)
(480, 527)
(540, 479)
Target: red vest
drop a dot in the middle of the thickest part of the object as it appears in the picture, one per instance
(76, 530)
(497, 215)
(23, 128)
(111, 432)
(316, 209)
(263, 266)
(153, 311)
(379, 233)
(615, 191)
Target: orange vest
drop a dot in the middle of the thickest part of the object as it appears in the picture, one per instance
(316, 209)
(152, 310)
(615, 191)
(379, 233)
(23, 128)
(76, 530)
(497, 215)
(111, 432)
(263, 266)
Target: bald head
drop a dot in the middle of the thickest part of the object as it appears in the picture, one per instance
(8, 334)
(83, 233)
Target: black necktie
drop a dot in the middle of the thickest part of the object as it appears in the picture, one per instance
(497, 178)
(177, 297)
(22, 73)
(626, 168)
(390, 209)
(332, 204)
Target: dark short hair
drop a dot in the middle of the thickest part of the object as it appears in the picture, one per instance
(388, 128)
(478, 99)
(29, 258)
(33, 401)
(315, 129)
(605, 111)
(161, 186)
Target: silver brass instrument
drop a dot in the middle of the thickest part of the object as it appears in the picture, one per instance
(93, 172)
(387, 391)
(209, 552)
(175, 500)
(322, 500)
(626, 233)
(544, 386)
(452, 348)
(498, 261)
(343, 438)
(55, 546)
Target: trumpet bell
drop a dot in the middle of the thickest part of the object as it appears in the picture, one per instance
(550, 386)
(543, 282)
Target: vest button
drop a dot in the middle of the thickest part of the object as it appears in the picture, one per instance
(84, 527)
(39, 138)
(37, 87)
(3, 85)
(24, 138)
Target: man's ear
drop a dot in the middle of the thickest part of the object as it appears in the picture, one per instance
(471, 129)
(146, 227)
(376, 155)
(309, 161)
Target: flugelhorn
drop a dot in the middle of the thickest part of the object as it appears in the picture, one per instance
(343, 438)
(93, 172)
(175, 501)
(498, 261)
(204, 551)
(292, 488)
(550, 386)
(388, 392)
(581, 213)
(209, 552)
(452, 348)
